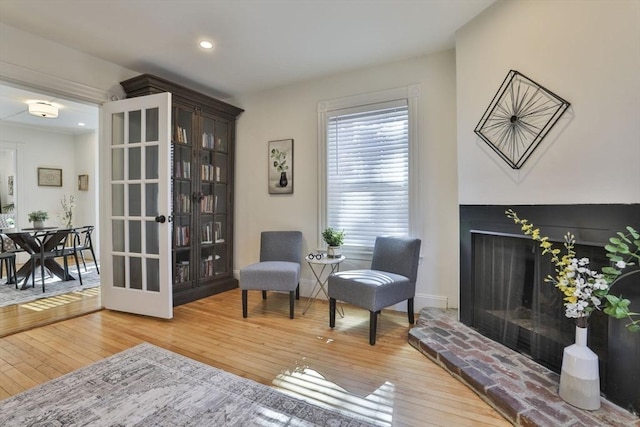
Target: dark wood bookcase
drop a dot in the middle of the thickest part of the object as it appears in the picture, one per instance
(202, 158)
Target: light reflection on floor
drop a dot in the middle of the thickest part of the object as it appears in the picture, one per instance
(59, 300)
(310, 385)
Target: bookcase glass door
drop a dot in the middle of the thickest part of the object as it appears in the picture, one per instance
(182, 197)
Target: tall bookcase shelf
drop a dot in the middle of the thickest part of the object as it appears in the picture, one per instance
(202, 150)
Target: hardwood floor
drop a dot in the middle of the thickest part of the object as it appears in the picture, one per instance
(262, 347)
(21, 317)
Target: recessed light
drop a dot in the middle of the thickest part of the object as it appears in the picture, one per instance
(206, 44)
(81, 124)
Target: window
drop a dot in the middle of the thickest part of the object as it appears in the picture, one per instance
(366, 153)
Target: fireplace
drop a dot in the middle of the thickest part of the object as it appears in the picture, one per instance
(504, 296)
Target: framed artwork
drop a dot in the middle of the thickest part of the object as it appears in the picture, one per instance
(10, 183)
(518, 118)
(281, 166)
(48, 177)
(83, 182)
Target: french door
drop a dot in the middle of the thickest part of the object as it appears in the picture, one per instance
(135, 206)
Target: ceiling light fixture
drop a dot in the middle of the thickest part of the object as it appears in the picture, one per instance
(43, 109)
(206, 44)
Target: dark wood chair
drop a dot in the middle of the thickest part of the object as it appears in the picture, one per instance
(54, 244)
(84, 243)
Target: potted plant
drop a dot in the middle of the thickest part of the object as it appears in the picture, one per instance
(38, 217)
(334, 240)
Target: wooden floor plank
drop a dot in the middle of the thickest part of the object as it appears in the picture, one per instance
(260, 347)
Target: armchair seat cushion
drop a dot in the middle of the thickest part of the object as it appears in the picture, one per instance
(270, 276)
(370, 289)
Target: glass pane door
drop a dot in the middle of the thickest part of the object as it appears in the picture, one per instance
(136, 149)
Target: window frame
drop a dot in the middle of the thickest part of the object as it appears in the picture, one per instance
(409, 93)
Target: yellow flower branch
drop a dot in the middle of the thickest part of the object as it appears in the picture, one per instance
(584, 289)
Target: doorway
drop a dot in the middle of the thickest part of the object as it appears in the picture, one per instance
(68, 143)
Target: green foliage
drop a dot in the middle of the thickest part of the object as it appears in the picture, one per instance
(279, 160)
(38, 216)
(333, 237)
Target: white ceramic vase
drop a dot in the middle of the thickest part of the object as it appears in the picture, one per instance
(334, 251)
(580, 376)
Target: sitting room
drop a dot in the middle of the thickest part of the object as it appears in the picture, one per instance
(291, 76)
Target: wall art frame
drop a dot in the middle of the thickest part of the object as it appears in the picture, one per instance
(280, 156)
(49, 177)
(520, 115)
(83, 182)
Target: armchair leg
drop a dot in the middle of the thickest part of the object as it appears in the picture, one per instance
(298, 291)
(264, 294)
(244, 303)
(410, 312)
(292, 298)
(332, 312)
(373, 326)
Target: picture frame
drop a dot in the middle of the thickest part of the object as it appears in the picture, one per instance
(83, 182)
(280, 157)
(49, 177)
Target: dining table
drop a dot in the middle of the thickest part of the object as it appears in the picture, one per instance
(33, 241)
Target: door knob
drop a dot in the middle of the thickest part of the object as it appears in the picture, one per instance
(161, 219)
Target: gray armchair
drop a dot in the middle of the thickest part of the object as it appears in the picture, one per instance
(391, 279)
(278, 269)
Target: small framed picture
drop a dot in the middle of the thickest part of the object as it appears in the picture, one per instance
(49, 177)
(83, 182)
(281, 166)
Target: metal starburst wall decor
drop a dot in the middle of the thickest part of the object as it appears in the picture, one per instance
(519, 116)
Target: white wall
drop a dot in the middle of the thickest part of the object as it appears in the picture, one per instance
(38, 148)
(291, 112)
(587, 52)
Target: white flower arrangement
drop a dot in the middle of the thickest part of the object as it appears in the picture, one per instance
(67, 210)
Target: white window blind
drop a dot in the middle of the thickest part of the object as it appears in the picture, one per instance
(368, 172)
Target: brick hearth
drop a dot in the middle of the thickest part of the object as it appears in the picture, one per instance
(524, 392)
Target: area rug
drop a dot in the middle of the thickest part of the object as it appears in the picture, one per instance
(53, 286)
(150, 386)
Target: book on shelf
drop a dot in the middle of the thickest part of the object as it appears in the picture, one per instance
(207, 204)
(183, 203)
(182, 235)
(181, 272)
(180, 135)
(207, 233)
(207, 140)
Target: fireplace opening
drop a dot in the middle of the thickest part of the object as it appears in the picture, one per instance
(514, 306)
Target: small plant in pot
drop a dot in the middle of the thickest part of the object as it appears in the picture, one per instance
(38, 218)
(334, 240)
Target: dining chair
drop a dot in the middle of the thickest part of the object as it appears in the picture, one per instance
(54, 244)
(84, 243)
(8, 260)
(8, 252)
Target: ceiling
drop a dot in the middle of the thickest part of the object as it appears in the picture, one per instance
(259, 44)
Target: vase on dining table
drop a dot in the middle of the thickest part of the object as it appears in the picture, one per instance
(580, 376)
(38, 224)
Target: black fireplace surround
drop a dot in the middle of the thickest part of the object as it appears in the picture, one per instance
(504, 297)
